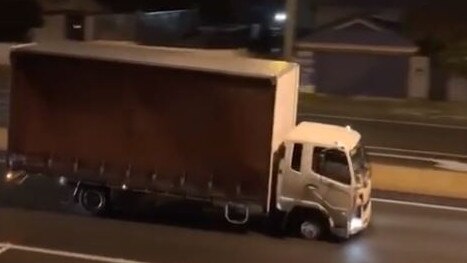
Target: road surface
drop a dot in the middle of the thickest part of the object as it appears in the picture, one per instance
(30, 216)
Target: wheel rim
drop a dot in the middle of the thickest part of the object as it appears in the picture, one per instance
(93, 200)
(309, 230)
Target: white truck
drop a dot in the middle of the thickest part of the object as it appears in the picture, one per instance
(186, 126)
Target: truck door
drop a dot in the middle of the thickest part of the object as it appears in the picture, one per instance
(290, 177)
(335, 176)
(298, 185)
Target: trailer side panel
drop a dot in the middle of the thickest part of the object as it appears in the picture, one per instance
(152, 128)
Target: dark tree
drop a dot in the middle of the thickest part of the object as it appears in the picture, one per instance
(17, 17)
(211, 11)
(146, 5)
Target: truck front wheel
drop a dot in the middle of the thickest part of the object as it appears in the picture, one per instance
(94, 200)
(308, 224)
(310, 229)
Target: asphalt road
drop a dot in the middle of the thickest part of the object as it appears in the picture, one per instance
(37, 214)
(441, 141)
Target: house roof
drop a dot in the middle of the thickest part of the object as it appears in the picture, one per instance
(358, 34)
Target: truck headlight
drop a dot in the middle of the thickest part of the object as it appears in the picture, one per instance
(355, 224)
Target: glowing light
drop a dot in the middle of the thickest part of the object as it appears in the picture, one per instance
(62, 180)
(9, 176)
(280, 17)
(355, 224)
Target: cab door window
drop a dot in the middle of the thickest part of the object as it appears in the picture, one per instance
(296, 162)
(331, 163)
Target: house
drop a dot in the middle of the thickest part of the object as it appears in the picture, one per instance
(361, 56)
(67, 19)
(16, 19)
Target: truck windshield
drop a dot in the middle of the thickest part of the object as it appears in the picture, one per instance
(359, 162)
(333, 165)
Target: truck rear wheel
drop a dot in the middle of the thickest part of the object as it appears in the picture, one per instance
(94, 200)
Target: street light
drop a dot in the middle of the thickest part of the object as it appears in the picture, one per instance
(280, 17)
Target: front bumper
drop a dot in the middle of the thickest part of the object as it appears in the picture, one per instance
(356, 224)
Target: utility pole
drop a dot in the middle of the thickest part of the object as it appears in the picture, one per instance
(290, 24)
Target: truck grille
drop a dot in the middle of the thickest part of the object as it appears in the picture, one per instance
(358, 213)
(360, 209)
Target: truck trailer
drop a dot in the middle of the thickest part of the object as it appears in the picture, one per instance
(176, 124)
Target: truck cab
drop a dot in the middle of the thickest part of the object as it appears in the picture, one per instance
(324, 182)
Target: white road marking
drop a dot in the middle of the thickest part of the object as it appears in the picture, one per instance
(4, 248)
(412, 123)
(444, 164)
(423, 205)
(398, 156)
(22, 180)
(62, 253)
(452, 165)
(416, 151)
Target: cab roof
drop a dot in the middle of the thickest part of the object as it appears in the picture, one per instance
(180, 59)
(324, 134)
